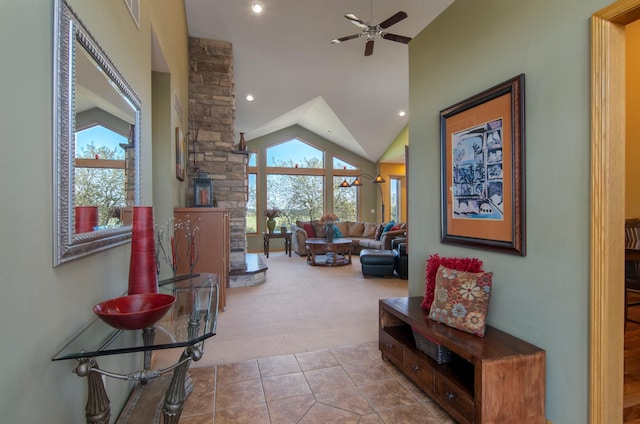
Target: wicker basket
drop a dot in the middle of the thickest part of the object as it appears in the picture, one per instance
(434, 350)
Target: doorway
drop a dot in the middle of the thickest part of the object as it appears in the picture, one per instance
(606, 368)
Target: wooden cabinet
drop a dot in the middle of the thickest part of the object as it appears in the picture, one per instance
(213, 243)
(497, 378)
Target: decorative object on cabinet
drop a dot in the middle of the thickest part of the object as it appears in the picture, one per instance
(143, 271)
(270, 214)
(80, 61)
(461, 299)
(203, 191)
(242, 144)
(495, 379)
(434, 262)
(181, 163)
(214, 243)
(134, 311)
(482, 165)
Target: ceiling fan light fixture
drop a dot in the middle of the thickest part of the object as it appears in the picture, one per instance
(257, 7)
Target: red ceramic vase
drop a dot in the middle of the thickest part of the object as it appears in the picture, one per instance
(143, 277)
(86, 218)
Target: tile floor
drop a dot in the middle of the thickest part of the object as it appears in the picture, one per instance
(341, 385)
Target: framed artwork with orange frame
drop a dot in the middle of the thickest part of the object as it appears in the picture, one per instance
(482, 164)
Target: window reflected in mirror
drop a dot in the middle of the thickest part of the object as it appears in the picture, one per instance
(100, 177)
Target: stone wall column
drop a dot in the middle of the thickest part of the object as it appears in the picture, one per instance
(211, 136)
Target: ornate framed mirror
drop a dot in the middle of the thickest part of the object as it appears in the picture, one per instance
(96, 145)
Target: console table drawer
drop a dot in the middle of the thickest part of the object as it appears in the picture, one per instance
(418, 371)
(391, 348)
(457, 400)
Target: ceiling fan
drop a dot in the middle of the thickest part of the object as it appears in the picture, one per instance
(371, 32)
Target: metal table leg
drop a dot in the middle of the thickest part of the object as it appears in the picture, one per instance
(98, 409)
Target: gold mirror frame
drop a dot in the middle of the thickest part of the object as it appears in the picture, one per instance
(70, 32)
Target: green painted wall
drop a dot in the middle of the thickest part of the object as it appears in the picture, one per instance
(395, 151)
(544, 297)
(41, 307)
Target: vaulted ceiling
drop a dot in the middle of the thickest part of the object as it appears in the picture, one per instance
(285, 59)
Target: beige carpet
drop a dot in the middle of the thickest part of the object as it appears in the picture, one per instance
(299, 308)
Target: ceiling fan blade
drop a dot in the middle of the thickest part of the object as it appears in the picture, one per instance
(396, 37)
(368, 50)
(341, 39)
(356, 21)
(393, 20)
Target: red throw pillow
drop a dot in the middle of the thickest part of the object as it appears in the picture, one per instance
(395, 228)
(458, 264)
(311, 233)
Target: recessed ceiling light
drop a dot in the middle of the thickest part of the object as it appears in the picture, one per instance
(257, 8)
(249, 98)
(402, 113)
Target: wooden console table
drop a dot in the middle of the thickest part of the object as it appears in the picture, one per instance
(492, 379)
(266, 236)
(191, 320)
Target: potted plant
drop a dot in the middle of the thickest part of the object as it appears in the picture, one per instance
(272, 213)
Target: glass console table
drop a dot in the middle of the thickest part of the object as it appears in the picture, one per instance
(191, 320)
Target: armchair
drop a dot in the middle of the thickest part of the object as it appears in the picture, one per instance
(399, 247)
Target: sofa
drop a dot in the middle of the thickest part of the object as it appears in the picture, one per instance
(364, 235)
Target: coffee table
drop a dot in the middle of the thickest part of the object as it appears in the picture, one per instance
(338, 251)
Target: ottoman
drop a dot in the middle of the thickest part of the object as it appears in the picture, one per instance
(377, 263)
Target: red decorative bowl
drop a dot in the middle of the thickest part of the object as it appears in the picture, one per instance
(135, 311)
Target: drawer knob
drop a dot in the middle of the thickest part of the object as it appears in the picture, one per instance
(450, 396)
(415, 367)
(389, 345)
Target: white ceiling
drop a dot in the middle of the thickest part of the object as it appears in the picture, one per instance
(284, 58)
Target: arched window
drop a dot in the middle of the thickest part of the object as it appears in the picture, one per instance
(299, 175)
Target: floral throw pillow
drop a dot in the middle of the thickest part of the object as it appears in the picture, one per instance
(461, 299)
(433, 264)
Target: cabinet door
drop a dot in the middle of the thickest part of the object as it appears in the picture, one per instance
(391, 348)
(418, 370)
(212, 243)
(454, 399)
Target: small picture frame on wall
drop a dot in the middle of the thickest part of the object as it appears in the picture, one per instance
(482, 165)
(180, 155)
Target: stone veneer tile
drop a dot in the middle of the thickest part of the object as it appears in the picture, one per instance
(316, 360)
(367, 371)
(323, 414)
(387, 394)
(278, 365)
(350, 399)
(355, 353)
(290, 410)
(241, 394)
(414, 414)
(197, 419)
(240, 371)
(245, 415)
(326, 379)
(285, 386)
(370, 419)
